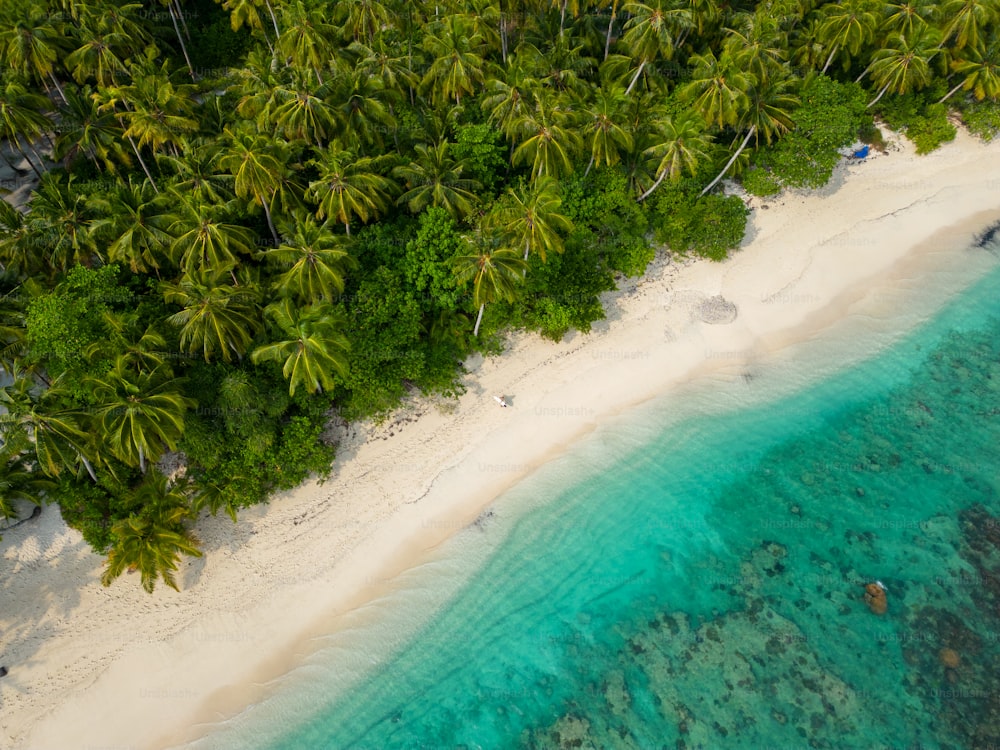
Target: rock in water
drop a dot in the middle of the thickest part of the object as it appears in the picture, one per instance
(875, 598)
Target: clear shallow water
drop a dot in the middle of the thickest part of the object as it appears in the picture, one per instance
(701, 585)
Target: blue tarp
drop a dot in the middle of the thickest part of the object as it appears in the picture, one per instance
(861, 153)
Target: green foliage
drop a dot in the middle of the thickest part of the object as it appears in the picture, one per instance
(982, 118)
(761, 182)
(709, 226)
(385, 325)
(428, 257)
(831, 115)
(924, 121)
(63, 323)
(479, 146)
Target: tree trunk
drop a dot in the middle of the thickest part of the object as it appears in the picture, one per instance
(180, 15)
(863, 74)
(611, 23)
(948, 95)
(347, 226)
(173, 17)
(274, 21)
(729, 163)
(562, 17)
(143, 164)
(479, 319)
(656, 184)
(635, 78)
(89, 468)
(55, 81)
(17, 145)
(829, 59)
(589, 165)
(270, 223)
(880, 95)
(142, 460)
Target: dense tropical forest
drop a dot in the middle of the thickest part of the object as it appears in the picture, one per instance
(251, 216)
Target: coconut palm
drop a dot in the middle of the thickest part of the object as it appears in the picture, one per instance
(605, 126)
(531, 217)
(547, 137)
(434, 178)
(717, 90)
(21, 117)
(768, 113)
(258, 167)
(32, 42)
(980, 72)
(906, 16)
(361, 107)
(309, 345)
(41, 423)
(198, 174)
(97, 58)
(680, 144)
(494, 272)
(313, 259)
(848, 26)
(651, 32)
(153, 540)
(362, 20)
(85, 129)
(140, 413)
(19, 483)
(158, 114)
(308, 40)
(217, 319)
(132, 225)
(507, 100)
(59, 218)
(969, 19)
(457, 67)
(757, 45)
(903, 65)
(297, 110)
(204, 240)
(349, 186)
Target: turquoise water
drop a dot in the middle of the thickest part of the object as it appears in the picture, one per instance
(703, 587)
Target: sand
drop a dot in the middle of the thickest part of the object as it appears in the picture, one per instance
(114, 667)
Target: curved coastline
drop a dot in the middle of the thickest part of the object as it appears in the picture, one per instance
(274, 583)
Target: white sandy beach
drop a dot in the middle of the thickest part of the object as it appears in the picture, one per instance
(93, 667)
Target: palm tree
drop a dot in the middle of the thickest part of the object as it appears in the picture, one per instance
(509, 99)
(848, 26)
(41, 422)
(980, 72)
(494, 272)
(606, 127)
(717, 90)
(349, 186)
(153, 540)
(19, 483)
(969, 19)
(906, 16)
(298, 111)
(308, 41)
(457, 67)
(257, 168)
(362, 20)
(314, 259)
(768, 114)
(650, 32)
(531, 217)
(157, 112)
(85, 129)
(141, 413)
(174, 8)
(681, 144)
(361, 111)
(903, 65)
(757, 44)
(434, 178)
(203, 240)
(218, 318)
(199, 175)
(133, 225)
(246, 12)
(60, 214)
(97, 57)
(547, 137)
(311, 345)
(32, 43)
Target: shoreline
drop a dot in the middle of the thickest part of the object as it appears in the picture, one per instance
(130, 668)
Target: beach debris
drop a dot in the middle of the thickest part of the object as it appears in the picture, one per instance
(717, 310)
(501, 400)
(875, 597)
